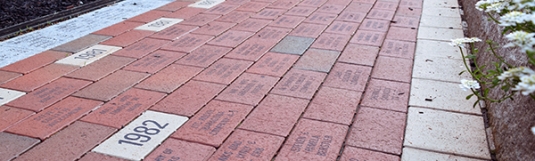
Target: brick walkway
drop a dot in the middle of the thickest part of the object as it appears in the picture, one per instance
(243, 80)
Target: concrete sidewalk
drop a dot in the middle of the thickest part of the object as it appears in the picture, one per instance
(250, 80)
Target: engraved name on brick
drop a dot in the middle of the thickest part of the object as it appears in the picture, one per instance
(314, 145)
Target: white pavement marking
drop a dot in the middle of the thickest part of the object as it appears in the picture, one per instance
(206, 3)
(159, 24)
(141, 136)
(7, 95)
(89, 55)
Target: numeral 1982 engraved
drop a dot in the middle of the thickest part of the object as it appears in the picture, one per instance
(143, 133)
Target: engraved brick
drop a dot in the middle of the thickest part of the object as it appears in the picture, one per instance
(10, 116)
(252, 6)
(317, 60)
(14, 145)
(403, 34)
(213, 123)
(118, 28)
(81, 43)
(293, 45)
(411, 3)
(252, 25)
(273, 64)
(204, 56)
(387, 95)
(231, 38)
(299, 83)
(347, 76)
(6, 76)
(174, 32)
(224, 71)
(39, 77)
(172, 149)
(321, 18)
(287, 21)
(386, 5)
(372, 38)
(396, 69)
(313, 140)
(214, 28)
(49, 94)
(361, 7)
(249, 50)
(189, 98)
(352, 154)
(236, 16)
(236, 2)
(35, 62)
(333, 105)
(124, 108)
(170, 78)
(141, 48)
(342, 28)
(248, 89)
(400, 49)
(186, 12)
(409, 12)
(222, 9)
(245, 145)
(70, 143)
(101, 68)
(155, 61)
(405, 21)
(112, 85)
(127, 38)
(270, 35)
(312, 3)
(187, 43)
(275, 115)
(366, 1)
(92, 156)
(149, 16)
(159, 24)
(380, 14)
(268, 13)
(301, 11)
(374, 25)
(284, 4)
(359, 54)
(89, 55)
(340, 2)
(308, 30)
(200, 19)
(331, 8)
(331, 41)
(174, 6)
(351, 16)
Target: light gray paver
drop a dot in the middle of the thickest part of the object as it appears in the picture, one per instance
(444, 12)
(411, 154)
(441, 95)
(439, 69)
(441, 4)
(293, 45)
(443, 34)
(441, 22)
(159, 24)
(8, 95)
(439, 49)
(206, 3)
(317, 60)
(89, 55)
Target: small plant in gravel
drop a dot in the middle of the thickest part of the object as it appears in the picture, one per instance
(517, 18)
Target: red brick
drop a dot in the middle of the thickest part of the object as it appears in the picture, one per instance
(270, 36)
(101, 68)
(149, 16)
(275, 115)
(6, 76)
(252, 25)
(250, 50)
(360, 7)
(321, 18)
(244, 145)
(331, 8)
(54, 118)
(172, 149)
(204, 56)
(231, 38)
(213, 123)
(301, 11)
(372, 38)
(236, 16)
(299, 83)
(284, 4)
(118, 28)
(405, 21)
(92, 156)
(400, 49)
(387, 95)
(380, 14)
(396, 69)
(331, 41)
(348, 76)
(174, 32)
(374, 25)
(403, 34)
(312, 3)
(141, 48)
(308, 30)
(39, 77)
(127, 38)
(342, 28)
(186, 12)
(49, 94)
(252, 6)
(235, 2)
(386, 5)
(124, 108)
(200, 19)
(214, 28)
(411, 3)
(13, 145)
(409, 12)
(170, 78)
(10, 116)
(270, 1)
(365, 1)
(155, 61)
(352, 154)
(189, 98)
(369, 130)
(273, 64)
(187, 43)
(174, 6)
(222, 9)
(248, 89)
(340, 2)
(35, 62)
(285, 21)
(334, 105)
(269, 13)
(313, 140)
(350, 16)
(112, 85)
(359, 54)
(224, 71)
(70, 143)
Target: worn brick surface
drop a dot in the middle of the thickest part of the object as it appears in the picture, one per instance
(213, 123)
(387, 95)
(70, 143)
(299, 83)
(222, 9)
(13, 145)
(286, 21)
(313, 140)
(127, 38)
(155, 61)
(342, 28)
(141, 48)
(308, 30)
(317, 60)
(92, 156)
(6, 76)
(331, 8)
(200, 19)
(372, 38)
(248, 89)
(370, 131)
(172, 149)
(38, 78)
(273, 64)
(10, 116)
(330, 41)
(269, 13)
(186, 12)
(231, 38)
(275, 115)
(405, 21)
(301, 11)
(149, 16)
(351, 16)
(396, 69)
(236, 16)
(35, 62)
(174, 32)
(54, 118)
(400, 49)
(359, 54)
(380, 14)
(170, 78)
(348, 76)
(410, 12)
(224, 71)
(252, 6)
(321, 18)
(404, 34)
(101, 68)
(252, 25)
(214, 28)
(353, 154)
(118, 28)
(187, 43)
(293, 45)
(189, 98)
(112, 85)
(81, 43)
(333, 105)
(49, 94)
(362, 6)
(245, 145)
(204, 56)
(174, 6)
